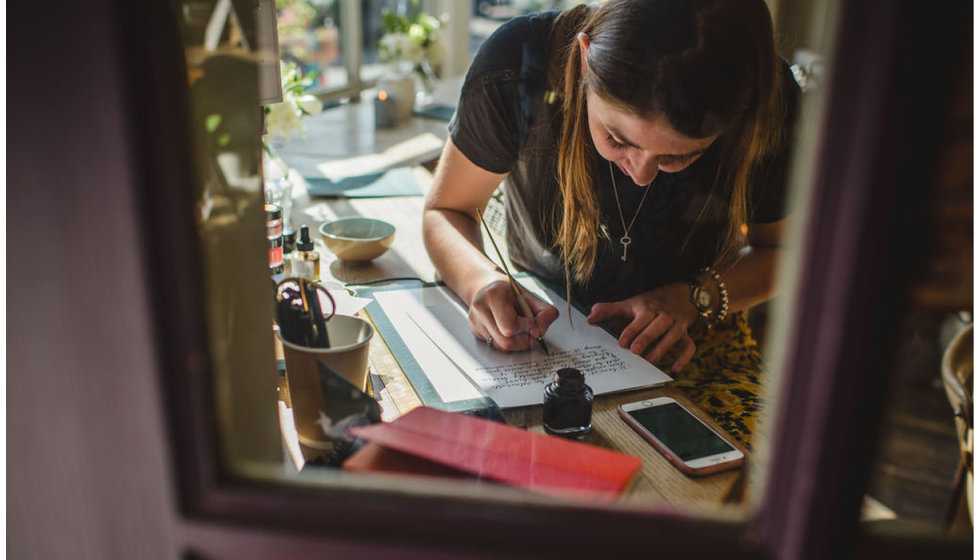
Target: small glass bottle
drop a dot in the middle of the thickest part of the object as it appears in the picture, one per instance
(273, 221)
(288, 246)
(305, 262)
(568, 404)
(273, 229)
(275, 255)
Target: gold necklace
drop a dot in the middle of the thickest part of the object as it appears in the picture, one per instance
(626, 239)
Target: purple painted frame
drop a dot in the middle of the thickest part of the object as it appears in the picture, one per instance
(866, 242)
(858, 260)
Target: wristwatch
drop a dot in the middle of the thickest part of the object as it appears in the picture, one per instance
(702, 298)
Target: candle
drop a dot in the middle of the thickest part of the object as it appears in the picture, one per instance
(385, 110)
(401, 90)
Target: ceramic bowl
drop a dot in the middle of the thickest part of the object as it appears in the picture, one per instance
(357, 238)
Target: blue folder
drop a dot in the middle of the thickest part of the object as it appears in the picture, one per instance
(393, 182)
(438, 112)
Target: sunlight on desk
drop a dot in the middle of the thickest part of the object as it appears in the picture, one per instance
(411, 150)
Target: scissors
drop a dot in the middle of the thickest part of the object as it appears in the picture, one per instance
(299, 315)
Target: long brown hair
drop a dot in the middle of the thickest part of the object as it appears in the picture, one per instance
(708, 66)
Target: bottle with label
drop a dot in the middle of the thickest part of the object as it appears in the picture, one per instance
(568, 404)
(288, 246)
(273, 228)
(305, 261)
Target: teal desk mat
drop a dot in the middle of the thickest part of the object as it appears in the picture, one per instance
(394, 182)
(439, 112)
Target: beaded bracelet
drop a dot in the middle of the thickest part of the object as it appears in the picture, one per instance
(722, 295)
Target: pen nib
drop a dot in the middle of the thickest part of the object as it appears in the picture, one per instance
(544, 347)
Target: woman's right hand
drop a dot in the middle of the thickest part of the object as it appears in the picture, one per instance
(453, 238)
(495, 316)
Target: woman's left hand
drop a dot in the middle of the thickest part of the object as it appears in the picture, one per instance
(656, 322)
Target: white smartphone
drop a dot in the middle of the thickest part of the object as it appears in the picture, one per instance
(693, 446)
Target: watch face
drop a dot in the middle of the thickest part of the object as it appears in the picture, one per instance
(703, 298)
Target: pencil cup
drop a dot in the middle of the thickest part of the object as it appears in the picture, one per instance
(350, 339)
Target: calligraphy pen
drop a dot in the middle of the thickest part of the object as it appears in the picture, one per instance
(521, 302)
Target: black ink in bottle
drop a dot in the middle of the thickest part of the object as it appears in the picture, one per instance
(568, 404)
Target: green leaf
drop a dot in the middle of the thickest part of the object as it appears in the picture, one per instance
(393, 23)
(212, 122)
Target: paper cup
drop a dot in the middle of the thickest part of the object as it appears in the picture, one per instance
(350, 339)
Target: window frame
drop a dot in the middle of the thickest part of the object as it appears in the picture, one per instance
(830, 401)
(352, 44)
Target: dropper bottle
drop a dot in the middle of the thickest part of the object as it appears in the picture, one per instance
(305, 259)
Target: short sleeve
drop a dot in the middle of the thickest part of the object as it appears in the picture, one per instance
(484, 126)
(490, 123)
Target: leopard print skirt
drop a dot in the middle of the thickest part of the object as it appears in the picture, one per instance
(726, 378)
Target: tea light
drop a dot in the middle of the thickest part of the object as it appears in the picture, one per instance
(385, 110)
(401, 91)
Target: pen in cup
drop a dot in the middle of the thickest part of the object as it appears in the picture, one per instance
(521, 302)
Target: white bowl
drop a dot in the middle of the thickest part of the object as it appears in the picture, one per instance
(357, 238)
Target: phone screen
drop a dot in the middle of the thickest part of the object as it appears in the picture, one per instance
(684, 434)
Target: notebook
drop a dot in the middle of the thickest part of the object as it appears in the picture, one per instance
(490, 450)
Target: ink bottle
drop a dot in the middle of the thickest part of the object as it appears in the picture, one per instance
(568, 404)
(305, 262)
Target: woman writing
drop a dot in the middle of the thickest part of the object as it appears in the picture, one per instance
(642, 149)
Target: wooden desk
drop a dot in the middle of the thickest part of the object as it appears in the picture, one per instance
(658, 483)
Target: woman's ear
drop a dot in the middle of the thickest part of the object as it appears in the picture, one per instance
(583, 48)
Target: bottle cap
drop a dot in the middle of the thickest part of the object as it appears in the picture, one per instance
(288, 239)
(304, 243)
(569, 378)
(272, 212)
(273, 220)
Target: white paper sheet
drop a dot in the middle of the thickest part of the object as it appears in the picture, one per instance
(454, 360)
(408, 151)
(450, 383)
(345, 302)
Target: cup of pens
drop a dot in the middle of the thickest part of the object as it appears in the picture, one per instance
(310, 332)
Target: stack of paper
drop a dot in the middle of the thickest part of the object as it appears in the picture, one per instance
(428, 332)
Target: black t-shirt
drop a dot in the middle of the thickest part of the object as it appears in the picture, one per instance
(505, 124)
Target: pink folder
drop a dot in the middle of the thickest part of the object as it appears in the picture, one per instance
(491, 450)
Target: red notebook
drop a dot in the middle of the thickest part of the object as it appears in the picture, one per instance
(491, 450)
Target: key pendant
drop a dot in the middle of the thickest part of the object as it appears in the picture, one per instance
(625, 240)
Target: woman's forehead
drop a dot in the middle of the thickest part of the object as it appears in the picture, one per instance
(646, 132)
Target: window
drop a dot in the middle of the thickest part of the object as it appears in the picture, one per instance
(488, 15)
(310, 37)
(339, 39)
(241, 349)
(865, 240)
(793, 463)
